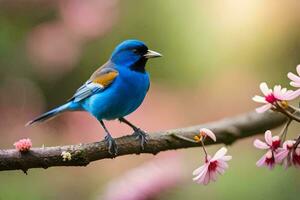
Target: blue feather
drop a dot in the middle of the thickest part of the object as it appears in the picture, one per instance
(50, 114)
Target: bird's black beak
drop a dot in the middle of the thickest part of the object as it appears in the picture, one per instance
(152, 54)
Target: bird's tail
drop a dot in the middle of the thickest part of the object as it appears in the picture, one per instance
(50, 114)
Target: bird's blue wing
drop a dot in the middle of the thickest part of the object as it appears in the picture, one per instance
(99, 81)
(86, 90)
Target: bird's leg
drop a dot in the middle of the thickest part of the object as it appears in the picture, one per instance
(112, 146)
(140, 134)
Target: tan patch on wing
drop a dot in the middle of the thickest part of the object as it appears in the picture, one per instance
(106, 79)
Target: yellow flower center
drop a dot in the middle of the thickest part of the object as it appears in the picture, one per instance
(284, 104)
(198, 138)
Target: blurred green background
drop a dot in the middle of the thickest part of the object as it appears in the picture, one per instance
(215, 55)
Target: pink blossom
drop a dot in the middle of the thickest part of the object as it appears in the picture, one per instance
(296, 156)
(89, 18)
(23, 145)
(272, 144)
(206, 132)
(285, 154)
(52, 49)
(272, 96)
(295, 79)
(212, 167)
(146, 181)
(267, 160)
(289, 154)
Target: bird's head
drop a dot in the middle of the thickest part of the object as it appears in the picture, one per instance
(133, 54)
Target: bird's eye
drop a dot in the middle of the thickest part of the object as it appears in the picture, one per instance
(135, 51)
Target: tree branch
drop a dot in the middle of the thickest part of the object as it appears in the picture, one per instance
(227, 131)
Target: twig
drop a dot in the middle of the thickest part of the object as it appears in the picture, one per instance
(227, 131)
(285, 129)
(287, 112)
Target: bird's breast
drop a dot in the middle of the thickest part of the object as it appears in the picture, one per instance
(133, 87)
(124, 96)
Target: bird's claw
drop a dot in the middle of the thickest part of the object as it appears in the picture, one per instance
(112, 145)
(142, 136)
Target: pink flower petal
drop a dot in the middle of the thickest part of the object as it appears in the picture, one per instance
(201, 176)
(277, 91)
(209, 133)
(281, 155)
(282, 93)
(260, 145)
(268, 137)
(226, 158)
(264, 88)
(220, 170)
(283, 90)
(261, 161)
(295, 84)
(263, 108)
(206, 179)
(271, 166)
(219, 154)
(213, 175)
(295, 94)
(289, 95)
(298, 69)
(200, 169)
(259, 99)
(288, 144)
(293, 77)
(222, 164)
(295, 80)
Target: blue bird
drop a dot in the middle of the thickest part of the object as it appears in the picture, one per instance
(114, 90)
